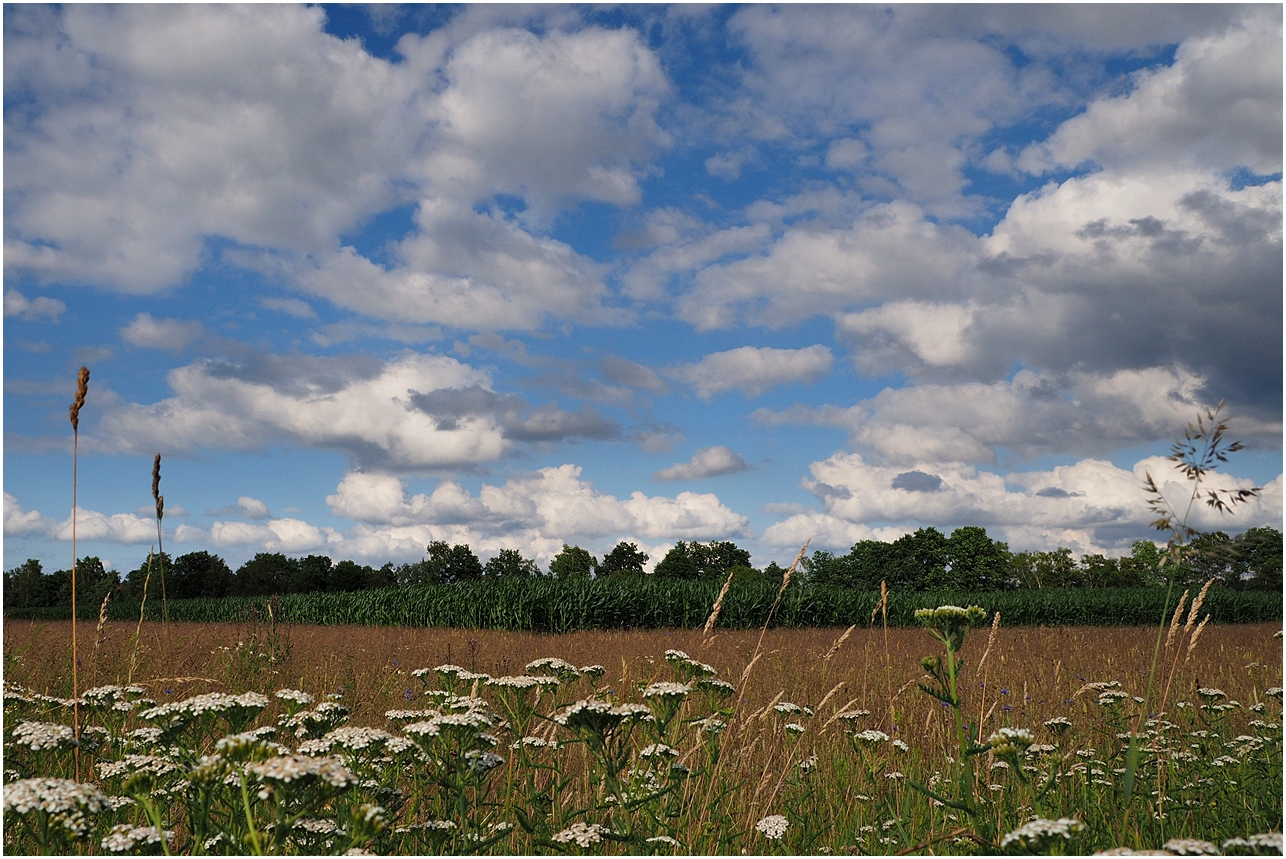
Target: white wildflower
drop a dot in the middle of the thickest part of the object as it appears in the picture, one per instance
(583, 834)
(1033, 833)
(127, 838)
(773, 826)
(1191, 846)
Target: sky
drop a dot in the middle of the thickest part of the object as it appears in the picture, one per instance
(370, 277)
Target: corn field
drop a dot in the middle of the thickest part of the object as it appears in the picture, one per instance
(562, 606)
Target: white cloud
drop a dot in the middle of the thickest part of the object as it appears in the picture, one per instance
(706, 462)
(289, 536)
(540, 511)
(286, 136)
(352, 403)
(18, 520)
(173, 334)
(465, 269)
(566, 116)
(90, 524)
(933, 333)
(1030, 415)
(31, 309)
(252, 508)
(889, 250)
(290, 138)
(753, 370)
(1090, 506)
(1219, 106)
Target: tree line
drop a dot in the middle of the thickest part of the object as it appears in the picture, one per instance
(967, 559)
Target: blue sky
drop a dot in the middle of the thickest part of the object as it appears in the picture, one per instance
(368, 277)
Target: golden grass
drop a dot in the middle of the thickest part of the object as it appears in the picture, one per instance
(1031, 672)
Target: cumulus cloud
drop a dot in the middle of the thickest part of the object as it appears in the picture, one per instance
(890, 249)
(551, 504)
(172, 334)
(1031, 415)
(18, 520)
(463, 265)
(1219, 106)
(352, 403)
(31, 309)
(90, 524)
(290, 138)
(415, 411)
(286, 135)
(1090, 506)
(289, 536)
(706, 462)
(753, 370)
(553, 118)
(250, 508)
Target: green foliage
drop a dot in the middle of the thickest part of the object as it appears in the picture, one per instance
(509, 563)
(548, 604)
(445, 564)
(573, 562)
(196, 574)
(265, 573)
(711, 561)
(624, 560)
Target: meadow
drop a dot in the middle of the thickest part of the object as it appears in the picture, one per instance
(267, 737)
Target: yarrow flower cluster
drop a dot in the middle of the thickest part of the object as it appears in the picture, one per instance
(667, 690)
(1191, 846)
(562, 669)
(773, 826)
(43, 735)
(583, 834)
(1007, 742)
(128, 838)
(1264, 844)
(871, 737)
(68, 804)
(596, 715)
(1033, 834)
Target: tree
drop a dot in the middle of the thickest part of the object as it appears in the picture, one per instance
(93, 582)
(1143, 567)
(624, 560)
(679, 563)
(919, 561)
(27, 586)
(196, 574)
(1035, 570)
(347, 576)
(1261, 554)
(132, 589)
(311, 575)
(573, 562)
(449, 564)
(509, 563)
(974, 560)
(266, 573)
(867, 564)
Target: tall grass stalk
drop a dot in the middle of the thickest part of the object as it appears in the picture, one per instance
(82, 388)
(160, 544)
(138, 630)
(785, 580)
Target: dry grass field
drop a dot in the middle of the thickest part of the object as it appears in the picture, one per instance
(782, 772)
(1031, 674)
